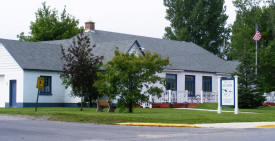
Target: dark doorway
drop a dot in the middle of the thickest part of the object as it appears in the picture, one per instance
(12, 93)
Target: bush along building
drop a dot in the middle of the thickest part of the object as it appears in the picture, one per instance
(192, 76)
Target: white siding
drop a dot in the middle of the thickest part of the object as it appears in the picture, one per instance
(9, 70)
(7, 62)
(68, 98)
(180, 82)
(2, 101)
(59, 93)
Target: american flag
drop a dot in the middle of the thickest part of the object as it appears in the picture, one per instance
(257, 35)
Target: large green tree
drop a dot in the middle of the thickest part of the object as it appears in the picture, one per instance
(199, 21)
(267, 50)
(80, 68)
(250, 13)
(132, 78)
(48, 25)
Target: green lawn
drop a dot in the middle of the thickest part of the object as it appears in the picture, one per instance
(157, 115)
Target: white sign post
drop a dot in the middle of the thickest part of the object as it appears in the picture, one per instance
(219, 96)
(236, 111)
(228, 93)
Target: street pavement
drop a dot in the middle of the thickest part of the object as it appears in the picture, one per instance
(17, 128)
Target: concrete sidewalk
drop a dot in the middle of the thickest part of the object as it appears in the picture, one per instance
(239, 125)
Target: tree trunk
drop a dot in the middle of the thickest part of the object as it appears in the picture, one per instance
(81, 104)
(98, 107)
(90, 102)
(130, 108)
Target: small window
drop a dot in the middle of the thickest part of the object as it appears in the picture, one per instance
(47, 89)
(207, 83)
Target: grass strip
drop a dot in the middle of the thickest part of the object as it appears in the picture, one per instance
(155, 115)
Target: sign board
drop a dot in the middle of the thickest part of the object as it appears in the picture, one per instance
(40, 83)
(227, 92)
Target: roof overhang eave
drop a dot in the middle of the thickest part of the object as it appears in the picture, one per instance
(42, 70)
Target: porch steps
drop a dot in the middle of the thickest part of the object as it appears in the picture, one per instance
(269, 104)
(174, 105)
(160, 105)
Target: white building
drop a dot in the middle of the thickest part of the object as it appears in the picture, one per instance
(192, 69)
(20, 65)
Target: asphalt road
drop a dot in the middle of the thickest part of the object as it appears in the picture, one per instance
(22, 129)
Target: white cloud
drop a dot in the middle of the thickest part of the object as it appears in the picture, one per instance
(139, 17)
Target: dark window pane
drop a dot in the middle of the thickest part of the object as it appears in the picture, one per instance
(207, 83)
(171, 83)
(47, 85)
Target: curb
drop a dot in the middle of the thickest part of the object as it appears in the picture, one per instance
(159, 125)
(266, 126)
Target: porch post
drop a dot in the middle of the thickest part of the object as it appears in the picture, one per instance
(169, 96)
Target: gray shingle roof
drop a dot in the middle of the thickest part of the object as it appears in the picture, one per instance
(182, 55)
(35, 56)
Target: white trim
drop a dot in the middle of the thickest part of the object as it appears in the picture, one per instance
(173, 70)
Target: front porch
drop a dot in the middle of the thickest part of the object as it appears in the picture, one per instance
(185, 99)
(181, 99)
(186, 89)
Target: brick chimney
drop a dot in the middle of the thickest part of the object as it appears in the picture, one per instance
(89, 26)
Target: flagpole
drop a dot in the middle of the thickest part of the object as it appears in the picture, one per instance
(256, 56)
(256, 60)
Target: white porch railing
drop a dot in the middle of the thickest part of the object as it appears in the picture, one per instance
(202, 97)
(209, 97)
(182, 97)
